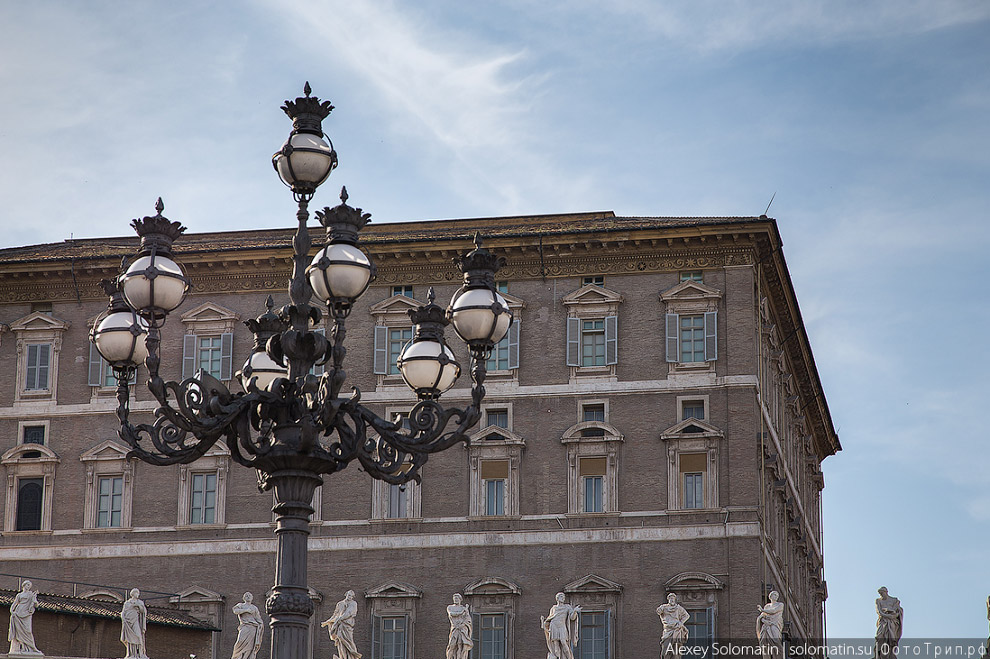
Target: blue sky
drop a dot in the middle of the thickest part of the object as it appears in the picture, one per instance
(869, 119)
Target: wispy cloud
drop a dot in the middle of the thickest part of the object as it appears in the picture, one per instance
(738, 24)
(444, 91)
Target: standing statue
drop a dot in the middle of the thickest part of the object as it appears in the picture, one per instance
(459, 644)
(890, 623)
(20, 635)
(561, 627)
(340, 626)
(133, 625)
(250, 629)
(770, 624)
(675, 631)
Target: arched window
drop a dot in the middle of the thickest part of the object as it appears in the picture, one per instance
(29, 500)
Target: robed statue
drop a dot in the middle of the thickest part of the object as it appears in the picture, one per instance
(133, 626)
(250, 629)
(561, 628)
(20, 634)
(459, 642)
(890, 624)
(340, 626)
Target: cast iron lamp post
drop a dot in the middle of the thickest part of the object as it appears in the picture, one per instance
(289, 425)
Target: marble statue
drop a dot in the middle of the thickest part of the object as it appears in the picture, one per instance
(770, 624)
(20, 635)
(561, 628)
(133, 626)
(459, 643)
(250, 629)
(675, 631)
(890, 623)
(340, 626)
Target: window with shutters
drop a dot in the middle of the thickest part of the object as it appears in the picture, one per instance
(393, 620)
(109, 486)
(494, 457)
(208, 344)
(504, 360)
(392, 331)
(592, 465)
(592, 339)
(598, 599)
(39, 341)
(493, 602)
(203, 489)
(691, 326)
(30, 487)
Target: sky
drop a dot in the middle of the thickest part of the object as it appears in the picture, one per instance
(866, 121)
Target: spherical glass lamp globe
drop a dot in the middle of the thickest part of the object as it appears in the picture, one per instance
(304, 161)
(480, 314)
(162, 292)
(262, 369)
(339, 271)
(428, 367)
(120, 339)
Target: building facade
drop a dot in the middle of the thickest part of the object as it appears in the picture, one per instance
(654, 424)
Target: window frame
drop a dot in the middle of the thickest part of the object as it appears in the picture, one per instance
(582, 445)
(393, 599)
(208, 321)
(595, 594)
(703, 399)
(493, 596)
(690, 298)
(591, 303)
(678, 443)
(489, 444)
(39, 328)
(19, 467)
(216, 462)
(107, 459)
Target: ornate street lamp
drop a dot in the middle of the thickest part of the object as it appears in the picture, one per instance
(289, 425)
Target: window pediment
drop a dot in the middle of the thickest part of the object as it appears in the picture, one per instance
(689, 428)
(105, 451)
(393, 589)
(576, 433)
(694, 581)
(17, 454)
(397, 304)
(592, 299)
(492, 586)
(209, 318)
(690, 291)
(496, 436)
(39, 321)
(513, 301)
(592, 583)
(196, 594)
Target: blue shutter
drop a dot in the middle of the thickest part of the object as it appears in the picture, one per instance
(188, 356)
(711, 336)
(673, 354)
(226, 355)
(376, 636)
(573, 341)
(318, 369)
(381, 350)
(513, 339)
(611, 340)
(95, 367)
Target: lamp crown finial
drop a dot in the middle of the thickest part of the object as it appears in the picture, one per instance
(343, 222)
(156, 231)
(307, 112)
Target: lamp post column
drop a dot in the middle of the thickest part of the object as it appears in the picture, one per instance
(289, 606)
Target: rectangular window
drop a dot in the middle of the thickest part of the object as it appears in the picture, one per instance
(203, 502)
(397, 339)
(693, 409)
(43, 307)
(110, 497)
(38, 362)
(593, 640)
(390, 638)
(592, 472)
(700, 627)
(692, 467)
(34, 434)
(209, 355)
(489, 636)
(692, 338)
(502, 286)
(499, 359)
(597, 280)
(593, 342)
(499, 418)
(398, 499)
(494, 478)
(593, 413)
(402, 290)
(691, 275)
